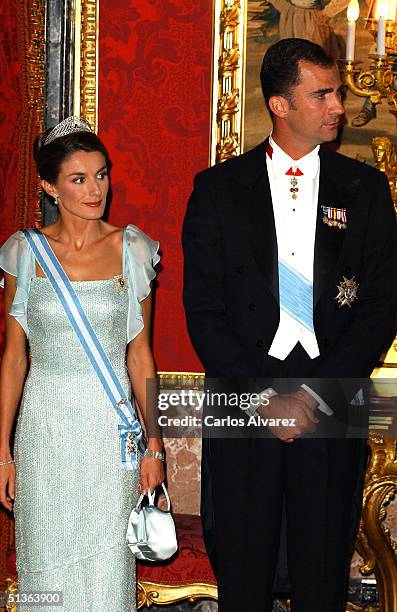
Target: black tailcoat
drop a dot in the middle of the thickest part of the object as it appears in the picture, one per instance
(231, 275)
(232, 310)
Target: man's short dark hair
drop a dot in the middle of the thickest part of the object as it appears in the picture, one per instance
(280, 67)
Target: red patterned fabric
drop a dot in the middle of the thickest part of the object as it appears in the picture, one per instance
(11, 562)
(191, 564)
(154, 109)
(7, 550)
(10, 111)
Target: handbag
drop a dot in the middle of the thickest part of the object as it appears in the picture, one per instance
(151, 534)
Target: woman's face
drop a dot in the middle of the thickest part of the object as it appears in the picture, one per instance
(82, 185)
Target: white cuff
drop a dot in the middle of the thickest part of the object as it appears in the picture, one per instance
(265, 394)
(321, 404)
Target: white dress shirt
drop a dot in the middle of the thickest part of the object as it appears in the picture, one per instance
(295, 221)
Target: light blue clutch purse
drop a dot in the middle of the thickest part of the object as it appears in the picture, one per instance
(151, 534)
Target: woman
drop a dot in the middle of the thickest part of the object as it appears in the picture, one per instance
(72, 496)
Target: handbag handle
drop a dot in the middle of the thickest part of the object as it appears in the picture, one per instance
(151, 497)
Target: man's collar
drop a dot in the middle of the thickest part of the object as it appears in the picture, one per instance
(281, 162)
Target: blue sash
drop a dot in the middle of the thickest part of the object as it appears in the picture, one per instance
(296, 295)
(130, 429)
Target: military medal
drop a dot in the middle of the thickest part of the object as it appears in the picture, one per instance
(120, 283)
(347, 292)
(294, 189)
(334, 217)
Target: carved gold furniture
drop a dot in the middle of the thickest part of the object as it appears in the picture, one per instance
(375, 543)
(188, 577)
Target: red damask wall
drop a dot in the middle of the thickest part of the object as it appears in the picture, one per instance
(10, 111)
(154, 103)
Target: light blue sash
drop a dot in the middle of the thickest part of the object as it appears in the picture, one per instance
(130, 429)
(296, 295)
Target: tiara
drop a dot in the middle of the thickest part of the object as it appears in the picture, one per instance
(68, 126)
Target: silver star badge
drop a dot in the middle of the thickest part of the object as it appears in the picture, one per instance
(347, 292)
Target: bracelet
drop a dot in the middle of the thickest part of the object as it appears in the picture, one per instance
(7, 462)
(154, 454)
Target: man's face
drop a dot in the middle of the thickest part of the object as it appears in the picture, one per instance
(314, 116)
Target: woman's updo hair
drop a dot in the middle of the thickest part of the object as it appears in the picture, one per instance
(49, 157)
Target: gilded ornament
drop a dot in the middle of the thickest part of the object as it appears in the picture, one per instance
(227, 87)
(89, 61)
(374, 543)
(31, 43)
(229, 60)
(228, 103)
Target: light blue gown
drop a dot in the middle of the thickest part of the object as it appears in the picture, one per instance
(73, 498)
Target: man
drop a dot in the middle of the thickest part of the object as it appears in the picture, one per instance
(290, 268)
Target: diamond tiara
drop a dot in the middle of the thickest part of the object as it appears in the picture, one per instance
(68, 126)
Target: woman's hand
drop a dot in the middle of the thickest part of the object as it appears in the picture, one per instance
(152, 474)
(7, 485)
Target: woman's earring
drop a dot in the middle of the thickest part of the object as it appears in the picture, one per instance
(56, 200)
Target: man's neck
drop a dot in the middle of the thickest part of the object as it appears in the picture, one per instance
(294, 149)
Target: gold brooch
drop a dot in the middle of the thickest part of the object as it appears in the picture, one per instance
(131, 446)
(120, 283)
(347, 292)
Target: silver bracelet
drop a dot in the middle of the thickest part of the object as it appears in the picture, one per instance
(7, 462)
(154, 454)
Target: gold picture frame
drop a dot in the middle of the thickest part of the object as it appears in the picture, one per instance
(228, 70)
(86, 60)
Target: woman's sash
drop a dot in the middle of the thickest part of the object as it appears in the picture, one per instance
(130, 429)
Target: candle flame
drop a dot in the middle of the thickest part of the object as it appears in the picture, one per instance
(382, 9)
(392, 10)
(353, 10)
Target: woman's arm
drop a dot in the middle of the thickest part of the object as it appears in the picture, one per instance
(141, 368)
(12, 377)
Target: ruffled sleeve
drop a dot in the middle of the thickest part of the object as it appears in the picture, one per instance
(17, 259)
(140, 258)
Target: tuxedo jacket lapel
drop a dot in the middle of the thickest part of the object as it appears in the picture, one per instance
(261, 228)
(336, 192)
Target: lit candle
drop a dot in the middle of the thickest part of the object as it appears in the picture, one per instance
(381, 39)
(392, 10)
(353, 12)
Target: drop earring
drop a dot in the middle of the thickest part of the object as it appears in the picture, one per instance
(56, 200)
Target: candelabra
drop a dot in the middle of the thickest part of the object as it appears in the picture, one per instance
(377, 82)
